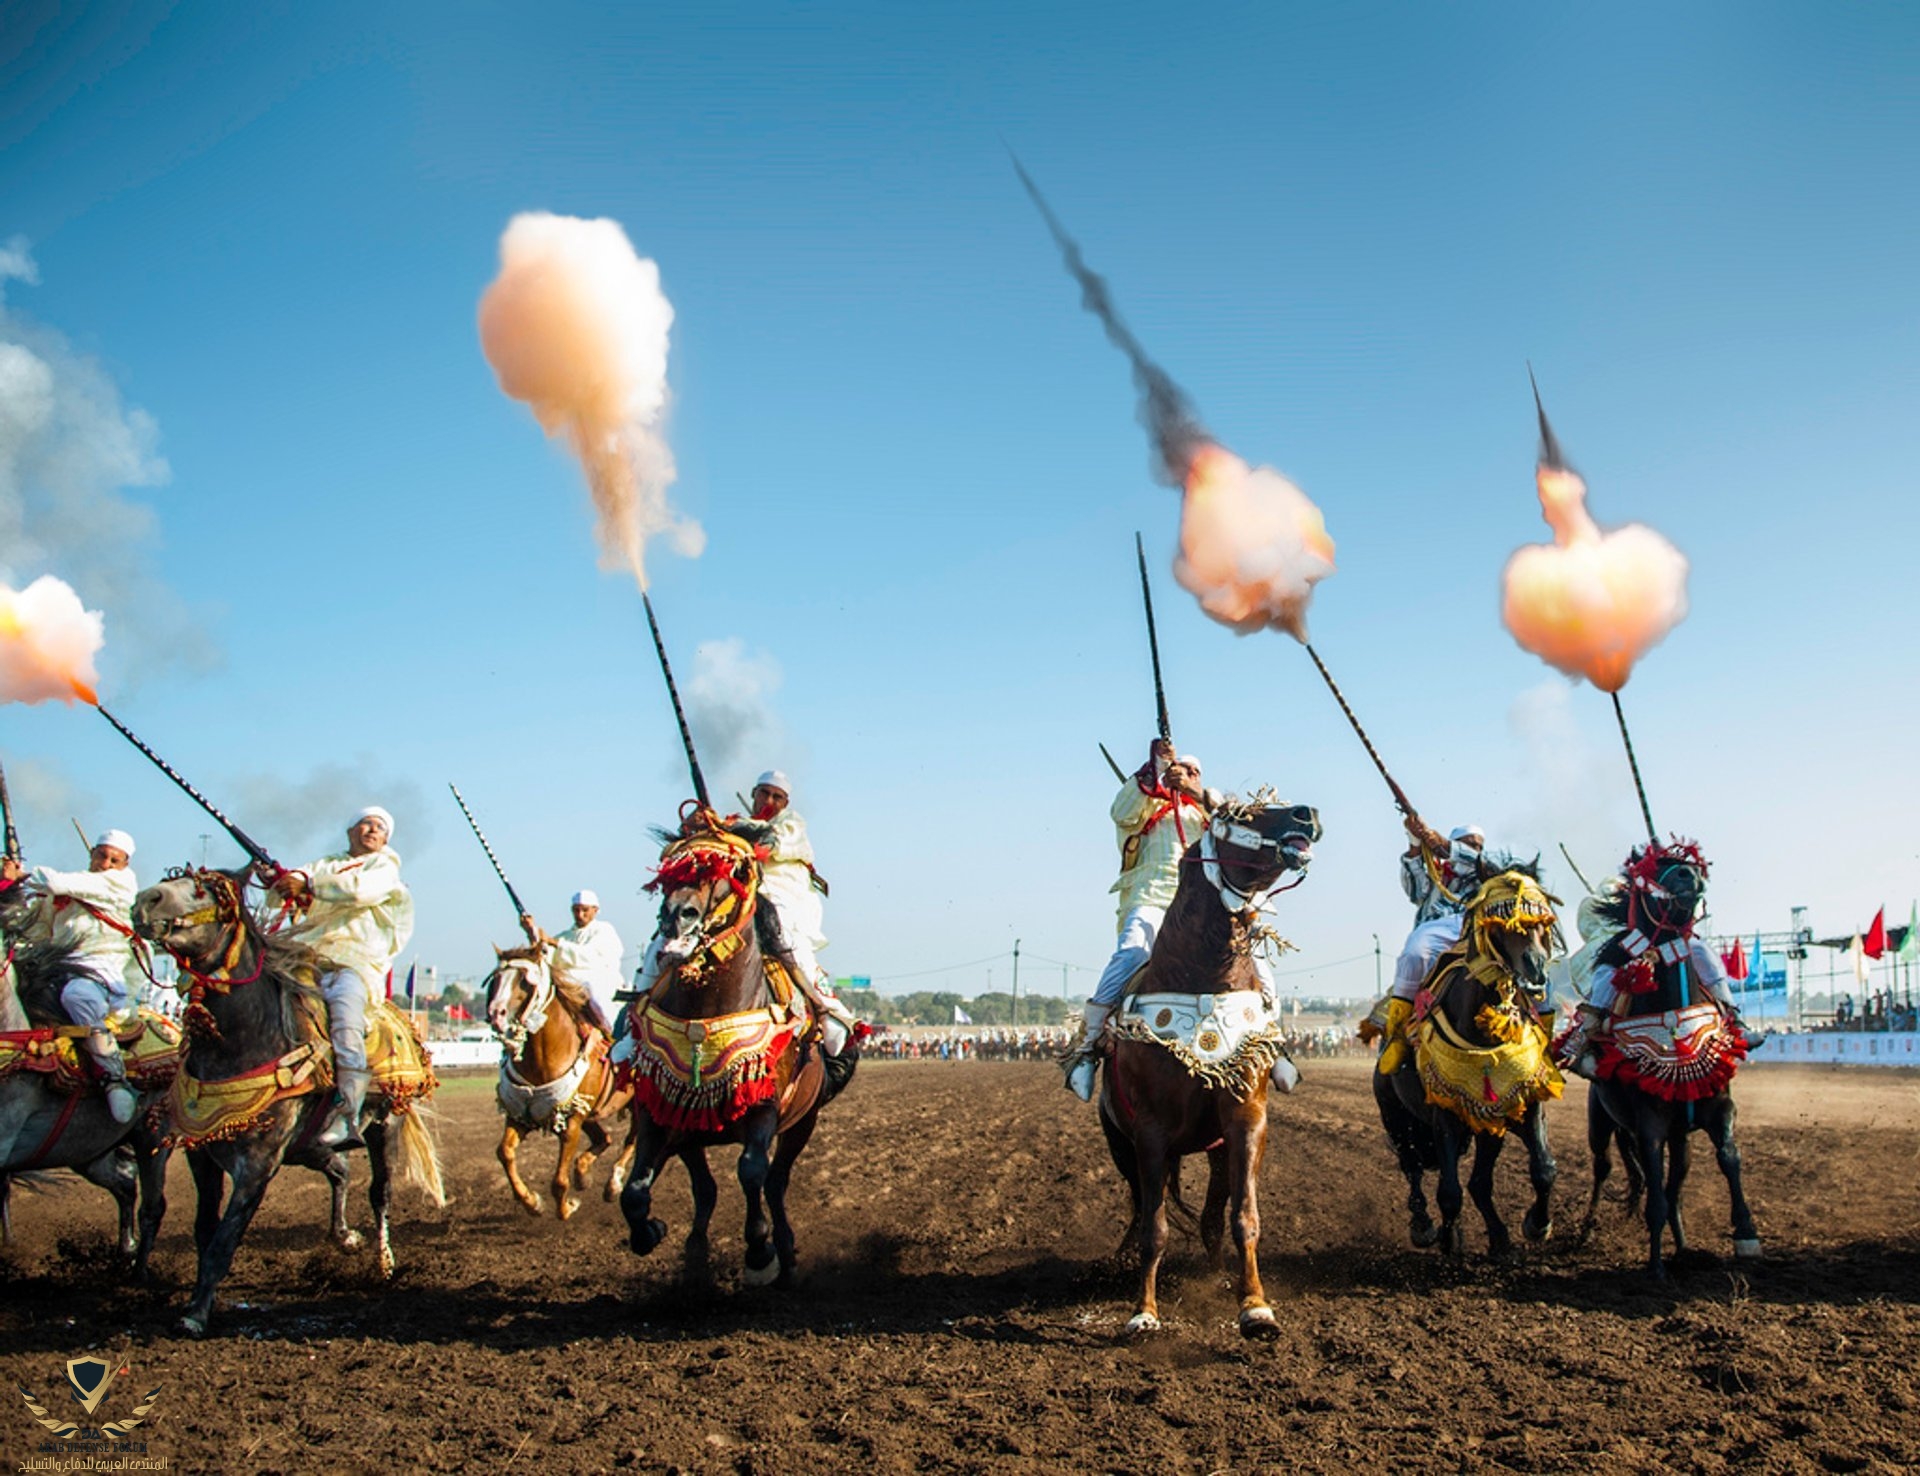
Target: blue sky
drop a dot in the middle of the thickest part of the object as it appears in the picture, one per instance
(1345, 229)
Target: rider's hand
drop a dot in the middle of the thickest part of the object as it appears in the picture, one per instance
(530, 927)
(1161, 752)
(11, 870)
(290, 885)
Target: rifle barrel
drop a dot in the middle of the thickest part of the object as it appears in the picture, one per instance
(6, 814)
(519, 908)
(1153, 642)
(246, 842)
(679, 713)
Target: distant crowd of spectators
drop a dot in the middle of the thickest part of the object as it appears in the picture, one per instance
(1045, 1043)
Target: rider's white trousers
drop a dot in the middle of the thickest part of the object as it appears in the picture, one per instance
(346, 995)
(1424, 944)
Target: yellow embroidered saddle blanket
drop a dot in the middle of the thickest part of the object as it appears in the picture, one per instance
(1487, 1088)
(149, 1045)
(210, 1111)
(1228, 1041)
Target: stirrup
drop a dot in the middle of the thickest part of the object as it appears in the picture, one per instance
(122, 1101)
(1080, 1076)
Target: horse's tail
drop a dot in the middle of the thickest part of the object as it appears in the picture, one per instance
(416, 1159)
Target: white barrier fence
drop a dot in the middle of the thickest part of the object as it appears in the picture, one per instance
(464, 1052)
(1843, 1048)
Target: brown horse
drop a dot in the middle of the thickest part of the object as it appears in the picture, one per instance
(724, 1052)
(1164, 1096)
(255, 1082)
(554, 1076)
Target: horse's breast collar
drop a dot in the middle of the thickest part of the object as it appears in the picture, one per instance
(1227, 1040)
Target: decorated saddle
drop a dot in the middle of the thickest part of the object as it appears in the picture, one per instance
(1680, 1055)
(1229, 1041)
(1489, 1088)
(149, 1045)
(701, 1075)
(210, 1111)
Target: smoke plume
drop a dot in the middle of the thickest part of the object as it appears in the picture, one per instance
(1594, 601)
(576, 326)
(293, 818)
(1252, 544)
(69, 451)
(729, 702)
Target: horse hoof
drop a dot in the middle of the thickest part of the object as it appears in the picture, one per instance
(765, 1275)
(1142, 1323)
(1536, 1232)
(646, 1235)
(1747, 1249)
(1425, 1235)
(565, 1208)
(531, 1204)
(351, 1241)
(1258, 1322)
(191, 1327)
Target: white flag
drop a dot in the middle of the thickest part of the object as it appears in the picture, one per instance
(1857, 952)
(961, 1017)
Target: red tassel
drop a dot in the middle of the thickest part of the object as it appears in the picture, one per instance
(1486, 1088)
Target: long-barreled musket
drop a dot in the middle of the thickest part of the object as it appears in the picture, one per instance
(246, 842)
(1153, 643)
(1112, 765)
(1428, 835)
(519, 907)
(679, 713)
(6, 814)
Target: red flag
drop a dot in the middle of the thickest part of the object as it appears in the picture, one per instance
(1874, 943)
(458, 1012)
(389, 983)
(1736, 961)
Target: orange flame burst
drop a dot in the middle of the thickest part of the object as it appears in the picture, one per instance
(48, 640)
(1593, 601)
(1252, 545)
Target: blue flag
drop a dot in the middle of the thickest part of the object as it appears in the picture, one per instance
(410, 968)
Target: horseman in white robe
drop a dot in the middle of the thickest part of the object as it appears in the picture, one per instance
(585, 958)
(1640, 919)
(1161, 809)
(1439, 883)
(353, 910)
(790, 892)
(91, 913)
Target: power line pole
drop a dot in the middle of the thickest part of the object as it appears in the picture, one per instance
(1016, 983)
(1376, 965)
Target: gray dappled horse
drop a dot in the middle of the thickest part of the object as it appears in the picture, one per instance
(41, 1128)
(1154, 1109)
(246, 987)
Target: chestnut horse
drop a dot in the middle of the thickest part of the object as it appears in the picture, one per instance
(255, 1083)
(723, 1053)
(1155, 1107)
(554, 1077)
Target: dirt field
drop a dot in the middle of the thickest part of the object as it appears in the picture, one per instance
(960, 1311)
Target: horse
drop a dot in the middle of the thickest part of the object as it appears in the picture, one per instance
(53, 1114)
(255, 1084)
(725, 1049)
(1664, 1070)
(554, 1077)
(1189, 1062)
(1481, 1066)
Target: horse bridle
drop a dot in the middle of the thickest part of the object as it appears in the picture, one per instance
(1260, 848)
(533, 1014)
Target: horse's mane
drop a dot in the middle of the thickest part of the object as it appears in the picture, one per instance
(753, 832)
(40, 972)
(1502, 861)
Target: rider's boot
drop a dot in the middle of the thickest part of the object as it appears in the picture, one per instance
(342, 1129)
(1576, 1048)
(1394, 1053)
(1286, 1075)
(105, 1051)
(1084, 1059)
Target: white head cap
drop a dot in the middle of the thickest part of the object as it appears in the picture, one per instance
(585, 898)
(773, 779)
(1188, 762)
(375, 812)
(118, 839)
(1469, 832)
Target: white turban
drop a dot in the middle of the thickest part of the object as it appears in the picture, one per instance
(585, 898)
(773, 779)
(118, 839)
(375, 812)
(1188, 761)
(1469, 832)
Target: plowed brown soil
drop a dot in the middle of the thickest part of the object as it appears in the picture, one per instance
(960, 1310)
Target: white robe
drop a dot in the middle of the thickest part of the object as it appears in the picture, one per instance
(590, 957)
(786, 881)
(361, 915)
(1153, 831)
(60, 918)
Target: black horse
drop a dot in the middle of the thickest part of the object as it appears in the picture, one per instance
(1664, 1072)
(1482, 1017)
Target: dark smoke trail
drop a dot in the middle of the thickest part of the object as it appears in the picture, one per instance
(1550, 453)
(1165, 410)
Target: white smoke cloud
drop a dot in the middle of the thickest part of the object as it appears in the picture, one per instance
(1566, 791)
(729, 703)
(297, 819)
(70, 451)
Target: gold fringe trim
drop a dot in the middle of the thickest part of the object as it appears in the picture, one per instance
(1238, 1075)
